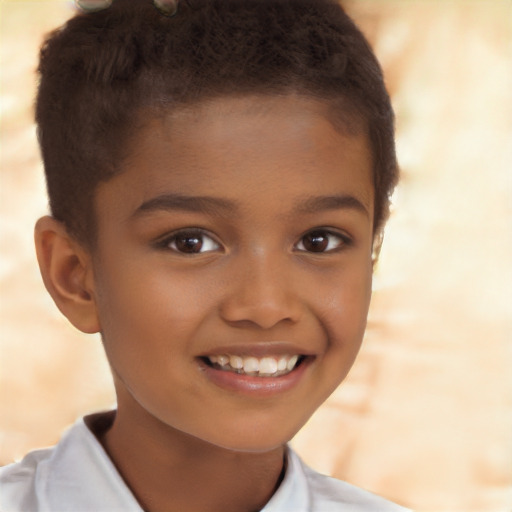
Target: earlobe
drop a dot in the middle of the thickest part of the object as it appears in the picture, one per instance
(66, 269)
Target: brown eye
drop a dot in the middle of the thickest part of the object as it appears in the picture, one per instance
(191, 243)
(321, 241)
(315, 242)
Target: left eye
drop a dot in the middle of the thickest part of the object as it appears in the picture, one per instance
(321, 241)
(190, 242)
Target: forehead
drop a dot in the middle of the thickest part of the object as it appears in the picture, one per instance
(240, 147)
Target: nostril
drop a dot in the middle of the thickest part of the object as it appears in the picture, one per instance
(265, 314)
(257, 319)
(262, 294)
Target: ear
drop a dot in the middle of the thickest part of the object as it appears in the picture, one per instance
(378, 238)
(66, 268)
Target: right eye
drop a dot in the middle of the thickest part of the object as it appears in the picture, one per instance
(322, 241)
(190, 242)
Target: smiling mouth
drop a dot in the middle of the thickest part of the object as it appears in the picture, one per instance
(253, 366)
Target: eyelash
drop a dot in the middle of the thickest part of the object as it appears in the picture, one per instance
(315, 237)
(198, 234)
(343, 240)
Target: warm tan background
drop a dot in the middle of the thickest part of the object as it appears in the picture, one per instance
(425, 417)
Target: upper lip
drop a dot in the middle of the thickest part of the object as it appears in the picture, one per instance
(259, 349)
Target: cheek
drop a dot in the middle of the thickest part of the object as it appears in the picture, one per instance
(346, 304)
(148, 304)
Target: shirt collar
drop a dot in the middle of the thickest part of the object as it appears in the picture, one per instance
(293, 493)
(83, 477)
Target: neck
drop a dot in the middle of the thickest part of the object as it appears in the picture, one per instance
(170, 471)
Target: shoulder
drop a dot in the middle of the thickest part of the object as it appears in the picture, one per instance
(326, 494)
(76, 474)
(330, 491)
(18, 481)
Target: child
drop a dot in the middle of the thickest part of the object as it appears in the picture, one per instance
(219, 174)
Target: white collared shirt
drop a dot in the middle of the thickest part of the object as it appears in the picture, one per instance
(78, 476)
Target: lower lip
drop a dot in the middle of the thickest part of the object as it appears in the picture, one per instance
(255, 386)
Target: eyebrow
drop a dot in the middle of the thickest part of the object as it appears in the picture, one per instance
(215, 205)
(199, 204)
(334, 202)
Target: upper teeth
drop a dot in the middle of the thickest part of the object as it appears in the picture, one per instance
(266, 366)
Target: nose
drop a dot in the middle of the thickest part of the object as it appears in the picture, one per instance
(261, 294)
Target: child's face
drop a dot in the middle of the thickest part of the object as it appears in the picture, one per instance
(241, 228)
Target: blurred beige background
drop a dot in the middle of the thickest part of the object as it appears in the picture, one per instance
(425, 417)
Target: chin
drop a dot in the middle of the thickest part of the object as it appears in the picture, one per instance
(255, 447)
(249, 441)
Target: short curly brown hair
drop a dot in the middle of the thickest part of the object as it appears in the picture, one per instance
(101, 70)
